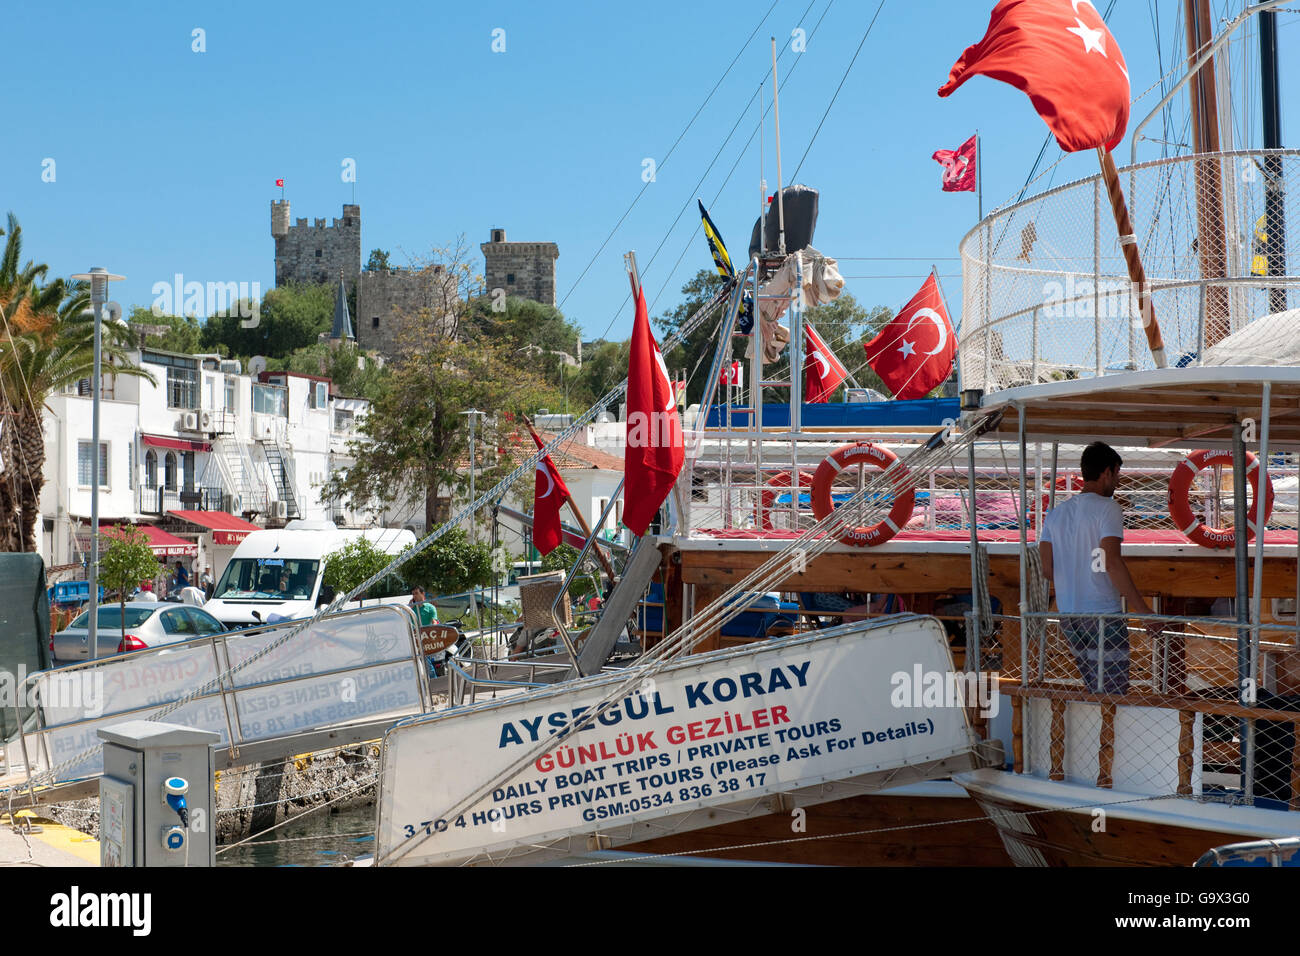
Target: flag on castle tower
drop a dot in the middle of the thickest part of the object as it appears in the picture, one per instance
(280, 183)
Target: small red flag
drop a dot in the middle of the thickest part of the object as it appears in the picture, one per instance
(823, 372)
(279, 182)
(549, 494)
(1059, 53)
(732, 375)
(959, 167)
(912, 359)
(655, 446)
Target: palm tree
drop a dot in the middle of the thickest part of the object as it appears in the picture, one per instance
(46, 344)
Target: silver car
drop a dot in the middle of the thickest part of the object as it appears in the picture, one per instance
(148, 624)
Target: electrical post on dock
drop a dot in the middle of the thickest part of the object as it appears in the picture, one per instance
(155, 798)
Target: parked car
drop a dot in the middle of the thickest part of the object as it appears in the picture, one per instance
(147, 624)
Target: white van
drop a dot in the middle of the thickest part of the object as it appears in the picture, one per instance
(279, 571)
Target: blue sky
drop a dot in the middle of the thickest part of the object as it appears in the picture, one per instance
(165, 158)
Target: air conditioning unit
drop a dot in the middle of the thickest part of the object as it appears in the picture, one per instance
(206, 421)
(231, 367)
(279, 509)
(190, 422)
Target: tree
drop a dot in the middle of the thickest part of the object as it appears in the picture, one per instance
(170, 333)
(451, 564)
(290, 317)
(586, 583)
(413, 445)
(125, 559)
(602, 368)
(46, 343)
(354, 563)
(694, 354)
(378, 261)
(539, 333)
(355, 372)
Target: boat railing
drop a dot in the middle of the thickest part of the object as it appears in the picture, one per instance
(470, 674)
(1163, 705)
(1047, 295)
(746, 499)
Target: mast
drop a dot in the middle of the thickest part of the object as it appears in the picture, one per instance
(1209, 192)
(1274, 197)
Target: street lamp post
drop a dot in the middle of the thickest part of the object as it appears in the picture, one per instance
(99, 278)
(473, 520)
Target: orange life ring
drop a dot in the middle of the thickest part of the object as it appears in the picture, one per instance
(768, 496)
(1180, 508)
(861, 453)
(1063, 483)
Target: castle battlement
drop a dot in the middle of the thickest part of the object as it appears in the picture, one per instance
(316, 252)
(524, 269)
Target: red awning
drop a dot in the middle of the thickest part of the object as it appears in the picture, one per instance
(162, 544)
(225, 527)
(180, 444)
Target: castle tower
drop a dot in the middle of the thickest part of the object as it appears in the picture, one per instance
(316, 253)
(523, 269)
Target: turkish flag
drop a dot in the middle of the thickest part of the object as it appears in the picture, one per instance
(823, 372)
(731, 375)
(913, 358)
(279, 182)
(655, 448)
(549, 495)
(1059, 53)
(959, 167)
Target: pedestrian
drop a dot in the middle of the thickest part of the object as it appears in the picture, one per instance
(205, 582)
(427, 615)
(1080, 550)
(182, 576)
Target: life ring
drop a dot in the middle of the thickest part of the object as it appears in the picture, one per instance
(1180, 508)
(769, 494)
(1063, 483)
(861, 453)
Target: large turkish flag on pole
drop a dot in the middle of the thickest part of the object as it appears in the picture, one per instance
(1060, 53)
(823, 372)
(915, 351)
(655, 447)
(960, 166)
(549, 495)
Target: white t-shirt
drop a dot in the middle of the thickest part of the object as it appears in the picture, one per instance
(1075, 528)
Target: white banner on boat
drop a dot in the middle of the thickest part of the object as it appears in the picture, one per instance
(709, 731)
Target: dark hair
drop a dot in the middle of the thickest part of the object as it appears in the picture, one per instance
(1096, 458)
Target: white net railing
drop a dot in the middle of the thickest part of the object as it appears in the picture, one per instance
(1047, 295)
(741, 497)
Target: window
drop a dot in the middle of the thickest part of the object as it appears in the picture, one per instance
(187, 470)
(169, 471)
(374, 322)
(270, 400)
(130, 466)
(320, 395)
(84, 464)
(150, 469)
(510, 278)
(342, 420)
(317, 253)
(231, 383)
(182, 378)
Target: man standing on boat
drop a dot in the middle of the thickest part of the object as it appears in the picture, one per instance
(1080, 550)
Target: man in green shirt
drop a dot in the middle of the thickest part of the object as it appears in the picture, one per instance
(427, 614)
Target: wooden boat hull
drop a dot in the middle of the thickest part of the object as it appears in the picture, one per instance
(1042, 823)
(929, 824)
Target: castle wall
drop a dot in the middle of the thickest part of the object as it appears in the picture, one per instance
(388, 300)
(523, 269)
(316, 252)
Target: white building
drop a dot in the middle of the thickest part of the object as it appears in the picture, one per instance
(204, 439)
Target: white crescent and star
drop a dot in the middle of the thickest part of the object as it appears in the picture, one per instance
(1094, 38)
(939, 325)
(668, 382)
(821, 360)
(550, 482)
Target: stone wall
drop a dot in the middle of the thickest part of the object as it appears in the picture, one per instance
(388, 300)
(316, 252)
(523, 269)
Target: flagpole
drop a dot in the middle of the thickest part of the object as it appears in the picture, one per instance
(934, 271)
(573, 507)
(776, 116)
(979, 180)
(1132, 257)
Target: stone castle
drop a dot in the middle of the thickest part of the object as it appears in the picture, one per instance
(320, 253)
